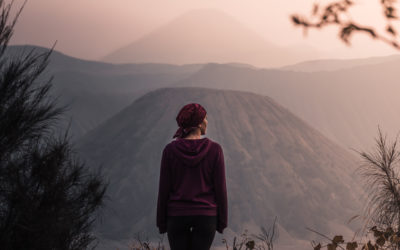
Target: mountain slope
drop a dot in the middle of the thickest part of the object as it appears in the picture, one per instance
(95, 91)
(347, 106)
(276, 164)
(203, 36)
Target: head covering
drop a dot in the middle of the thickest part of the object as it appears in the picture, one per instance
(190, 116)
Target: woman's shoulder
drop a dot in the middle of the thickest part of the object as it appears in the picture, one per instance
(168, 145)
(215, 143)
(214, 146)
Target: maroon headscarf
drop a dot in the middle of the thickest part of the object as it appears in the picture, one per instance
(190, 116)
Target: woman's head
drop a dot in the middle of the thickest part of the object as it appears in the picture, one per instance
(190, 118)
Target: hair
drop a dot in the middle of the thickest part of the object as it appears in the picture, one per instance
(188, 118)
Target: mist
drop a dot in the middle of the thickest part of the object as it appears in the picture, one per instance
(93, 29)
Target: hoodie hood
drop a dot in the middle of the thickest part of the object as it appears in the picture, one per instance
(191, 152)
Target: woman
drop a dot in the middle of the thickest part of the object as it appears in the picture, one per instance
(192, 197)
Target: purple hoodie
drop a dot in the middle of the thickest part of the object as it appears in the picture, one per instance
(192, 181)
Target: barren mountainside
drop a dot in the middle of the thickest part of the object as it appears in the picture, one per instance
(276, 164)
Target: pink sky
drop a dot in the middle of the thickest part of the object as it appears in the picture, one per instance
(93, 28)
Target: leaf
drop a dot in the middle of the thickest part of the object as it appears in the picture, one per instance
(380, 241)
(351, 246)
(377, 233)
(391, 30)
(331, 247)
(338, 239)
(250, 244)
(296, 20)
(390, 12)
(346, 32)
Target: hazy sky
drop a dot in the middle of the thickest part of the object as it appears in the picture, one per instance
(93, 28)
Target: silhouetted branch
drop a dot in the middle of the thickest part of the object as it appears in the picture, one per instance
(268, 237)
(336, 13)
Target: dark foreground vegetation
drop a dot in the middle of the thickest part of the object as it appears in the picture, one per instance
(48, 198)
(380, 172)
(261, 241)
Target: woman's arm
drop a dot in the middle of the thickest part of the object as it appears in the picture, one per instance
(163, 194)
(220, 191)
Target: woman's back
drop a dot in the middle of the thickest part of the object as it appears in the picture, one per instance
(196, 176)
(192, 197)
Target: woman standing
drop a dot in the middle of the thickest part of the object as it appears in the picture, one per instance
(192, 197)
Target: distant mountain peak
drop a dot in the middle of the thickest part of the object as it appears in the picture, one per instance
(202, 36)
(201, 12)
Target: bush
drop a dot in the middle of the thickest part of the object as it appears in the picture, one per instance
(47, 197)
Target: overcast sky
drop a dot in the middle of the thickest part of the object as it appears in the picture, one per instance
(93, 28)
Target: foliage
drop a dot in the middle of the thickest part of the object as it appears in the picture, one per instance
(381, 239)
(262, 241)
(47, 197)
(265, 239)
(140, 244)
(382, 183)
(336, 13)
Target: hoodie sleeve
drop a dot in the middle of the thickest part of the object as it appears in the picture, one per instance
(220, 190)
(163, 193)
